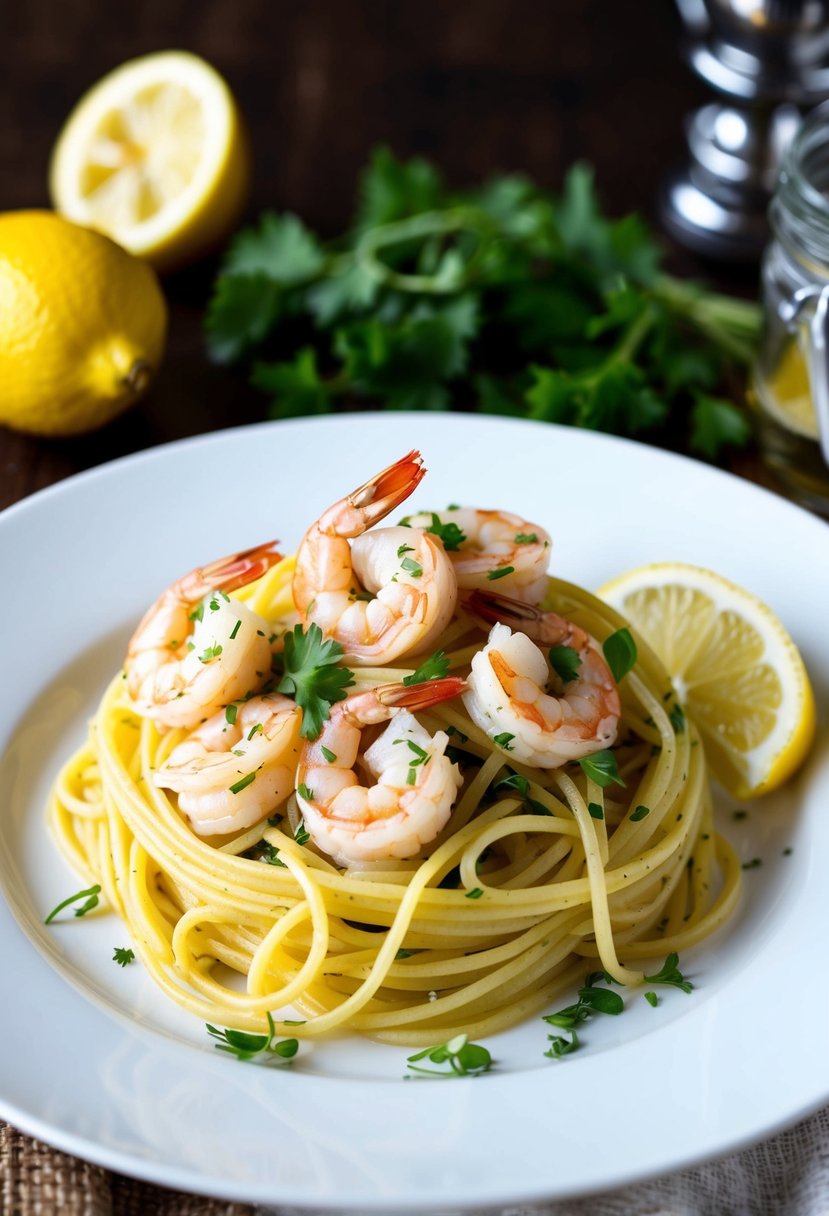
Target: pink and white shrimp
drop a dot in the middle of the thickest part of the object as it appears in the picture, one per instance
(508, 695)
(415, 782)
(195, 649)
(406, 570)
(237, 767)
(488, 545)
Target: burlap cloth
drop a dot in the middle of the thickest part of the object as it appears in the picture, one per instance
(785, 1176)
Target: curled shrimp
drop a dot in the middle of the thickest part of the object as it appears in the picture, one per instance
(487, 545)
(415, 783)
(405, 570)
(508, 697)
(237, 767)
(196, 650)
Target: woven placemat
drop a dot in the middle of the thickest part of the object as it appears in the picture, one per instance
(36, 1180)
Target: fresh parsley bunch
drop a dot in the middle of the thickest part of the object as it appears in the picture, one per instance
(504, 299)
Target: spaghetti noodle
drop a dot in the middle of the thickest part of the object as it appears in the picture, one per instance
(536, 872)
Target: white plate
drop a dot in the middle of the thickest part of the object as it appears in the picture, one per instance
(103, 1067)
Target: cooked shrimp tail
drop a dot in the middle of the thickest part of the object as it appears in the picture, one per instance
(387, 490)
(548, 628)
(415, 782)
(508, 695)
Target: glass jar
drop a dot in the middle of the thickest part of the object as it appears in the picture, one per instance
(791, 376)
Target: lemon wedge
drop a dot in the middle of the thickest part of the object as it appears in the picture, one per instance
(734, 667)
(155, 156)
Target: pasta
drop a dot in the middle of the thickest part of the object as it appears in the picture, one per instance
(537, 876)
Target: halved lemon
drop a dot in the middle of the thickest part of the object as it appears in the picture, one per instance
(156, 157)
(734, 667)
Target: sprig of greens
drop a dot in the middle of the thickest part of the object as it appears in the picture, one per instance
(460, 1057)
(123, 955)
(312, 675)
(504, 298)
(246, 1046)
(90, 897)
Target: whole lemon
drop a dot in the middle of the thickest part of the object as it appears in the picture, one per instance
(82, 326)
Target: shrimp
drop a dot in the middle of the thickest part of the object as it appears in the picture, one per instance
(195, 650)
(236, 768)
(416, 784)
(406, 570)
(507, 696)
(492, 545)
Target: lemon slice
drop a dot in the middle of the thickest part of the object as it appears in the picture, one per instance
(155, 156)
(733, 665)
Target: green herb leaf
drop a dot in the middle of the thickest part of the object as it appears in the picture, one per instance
(671, 974)
(463, 1059)
(596, 811)
(281, 248)
(677, 717)
(294, 386)
(639, 813)
(565, 662)
(434, 668)
(501, 572)
(312, 675)
(503, 740)
(89, 895)
(123, 955)
(602, 768)
(620, 652)
(245, 1046)
(450, 534)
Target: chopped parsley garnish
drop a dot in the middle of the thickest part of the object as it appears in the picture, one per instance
(123, 955)
(526, 538)
(411, 567)
(198, 612)
(328, 755)
(639, 813)
(236, 629)
(677, 716)
(301, 835)
(90, 895)
(450, 533)
(404, 549)
(475, 893)
(652, 998)
(210, 652)
(312, 676)
(502, 572)
(671, 974)
(565, 662)
(255, 730)
(596, 811)
(620, 653)
(434, 668)
(269, 853)
(243, 784)
(230, 714)
(521, 786)
(254, 1046)
(503, 740)
(304, 792)
(602, 768)
(559, 1046)
(462, 1059)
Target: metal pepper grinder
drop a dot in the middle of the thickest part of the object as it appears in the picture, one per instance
(769, 62)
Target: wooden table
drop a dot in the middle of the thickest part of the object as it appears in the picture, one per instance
(477, 85)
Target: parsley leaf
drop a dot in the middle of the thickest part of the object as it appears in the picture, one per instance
(245, 1046)
(670, 974)
(620, 652)
(602, 768)
(295, 386)
(565, 662)
(312, 676)
(462, 1058)
(451, 535)
(434, 668)
(281, 248)
(90, 897)
(123, 955)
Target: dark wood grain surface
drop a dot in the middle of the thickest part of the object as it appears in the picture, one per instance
(477, 85)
